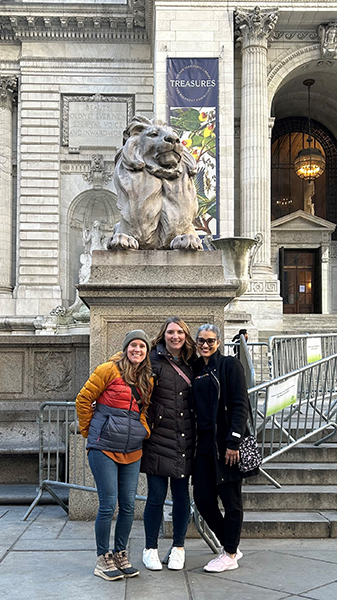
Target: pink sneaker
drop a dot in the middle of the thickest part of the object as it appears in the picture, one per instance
(223, 562)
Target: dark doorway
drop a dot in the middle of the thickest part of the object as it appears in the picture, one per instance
(300, 281)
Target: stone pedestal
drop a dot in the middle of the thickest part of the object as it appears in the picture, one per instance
(141, 288)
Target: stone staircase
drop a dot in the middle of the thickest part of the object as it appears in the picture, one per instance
(301, 324)
(306, 504)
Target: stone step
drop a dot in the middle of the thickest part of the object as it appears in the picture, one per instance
(298, 474)
(306, 497)
(276, 524)
(289, 524)
(25, 494)
(308, 453)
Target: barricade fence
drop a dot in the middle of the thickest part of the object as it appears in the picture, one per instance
(63, 462)
(287, 411)
(295, 408)
(258, 352)
(289, 352)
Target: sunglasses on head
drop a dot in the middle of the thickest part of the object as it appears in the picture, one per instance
(210, 341)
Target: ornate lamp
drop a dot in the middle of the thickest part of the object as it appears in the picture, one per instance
(310, 162)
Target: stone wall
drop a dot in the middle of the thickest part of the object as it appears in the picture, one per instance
(34, 369)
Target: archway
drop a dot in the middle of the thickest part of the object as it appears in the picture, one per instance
(89, 206)
(327, 184)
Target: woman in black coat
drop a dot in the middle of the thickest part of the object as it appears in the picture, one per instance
(221, 407)
(168, 453)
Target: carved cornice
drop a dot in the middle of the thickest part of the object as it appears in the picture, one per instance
(255, 27)
(298, 35)
(120, 23)
(84, 167)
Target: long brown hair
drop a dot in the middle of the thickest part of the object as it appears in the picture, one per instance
(138, 375)
(188, 349)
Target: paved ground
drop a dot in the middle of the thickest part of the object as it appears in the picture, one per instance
(50, 557)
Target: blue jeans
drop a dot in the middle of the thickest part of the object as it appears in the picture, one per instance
(153, 513)
(114, 481)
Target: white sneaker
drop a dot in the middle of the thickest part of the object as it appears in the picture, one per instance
(239, 554)
(223, 562)
(177, 559)
(151, 559)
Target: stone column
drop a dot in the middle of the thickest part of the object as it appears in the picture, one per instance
(7, 86)
(254, 28)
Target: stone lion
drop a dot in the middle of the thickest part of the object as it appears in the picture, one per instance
(155, 191)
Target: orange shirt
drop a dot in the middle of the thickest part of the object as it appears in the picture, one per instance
(124, 459)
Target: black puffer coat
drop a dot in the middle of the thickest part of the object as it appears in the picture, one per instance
(228, 409)
(169, 450)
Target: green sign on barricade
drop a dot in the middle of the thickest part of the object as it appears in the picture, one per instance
(281, 395)
(314, 349)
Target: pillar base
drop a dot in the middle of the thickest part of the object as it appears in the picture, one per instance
(263, 302)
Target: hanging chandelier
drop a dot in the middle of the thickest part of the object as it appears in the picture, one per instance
(309, 164)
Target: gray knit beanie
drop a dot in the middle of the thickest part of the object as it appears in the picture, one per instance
(136, 334)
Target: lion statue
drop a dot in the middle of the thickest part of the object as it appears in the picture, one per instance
(155, 191)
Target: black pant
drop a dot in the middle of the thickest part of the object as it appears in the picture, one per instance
(227, 528)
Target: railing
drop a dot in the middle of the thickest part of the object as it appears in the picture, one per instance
(295, 408)
(289, 352)
(63, 462)
(287, 411)
(258, 353)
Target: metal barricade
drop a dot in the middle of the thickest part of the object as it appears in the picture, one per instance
(310, 413)
(259, 356)
(289, 352)
(58, 439)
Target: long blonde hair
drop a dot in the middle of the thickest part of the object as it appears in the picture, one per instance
(188, 349)
(139, 375)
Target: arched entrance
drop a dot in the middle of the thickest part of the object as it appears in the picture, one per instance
(85, 209)
(288, 134)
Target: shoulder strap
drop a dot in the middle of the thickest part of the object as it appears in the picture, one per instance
(181, 373)
(135, 392)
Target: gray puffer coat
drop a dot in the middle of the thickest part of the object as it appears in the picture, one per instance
(169, 450)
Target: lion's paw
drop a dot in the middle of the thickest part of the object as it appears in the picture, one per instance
(122, 241)
(186, 242)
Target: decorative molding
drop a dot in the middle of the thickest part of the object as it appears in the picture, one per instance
(328, 38)
(274, 70)
(333, 250)
(52, 372)
(121, 23)
(98, 175)
(296, 35)
(83, 167)
(8, 85)
(128, 100)
(255, 27)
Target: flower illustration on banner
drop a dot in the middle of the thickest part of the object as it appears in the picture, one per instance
(196, 128)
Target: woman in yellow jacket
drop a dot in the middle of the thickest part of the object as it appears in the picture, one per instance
(111, 408)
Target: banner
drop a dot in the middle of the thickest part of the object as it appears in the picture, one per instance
(192, 100)
(314, 349)
(281, 395)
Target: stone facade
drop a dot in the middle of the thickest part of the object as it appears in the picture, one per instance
(70, 84)
(72, 75)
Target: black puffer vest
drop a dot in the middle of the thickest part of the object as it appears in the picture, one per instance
(169, 450)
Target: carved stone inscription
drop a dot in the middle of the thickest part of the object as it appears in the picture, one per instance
(95, 121)
(96, 124)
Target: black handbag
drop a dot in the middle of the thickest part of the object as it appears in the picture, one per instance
(250, 457)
